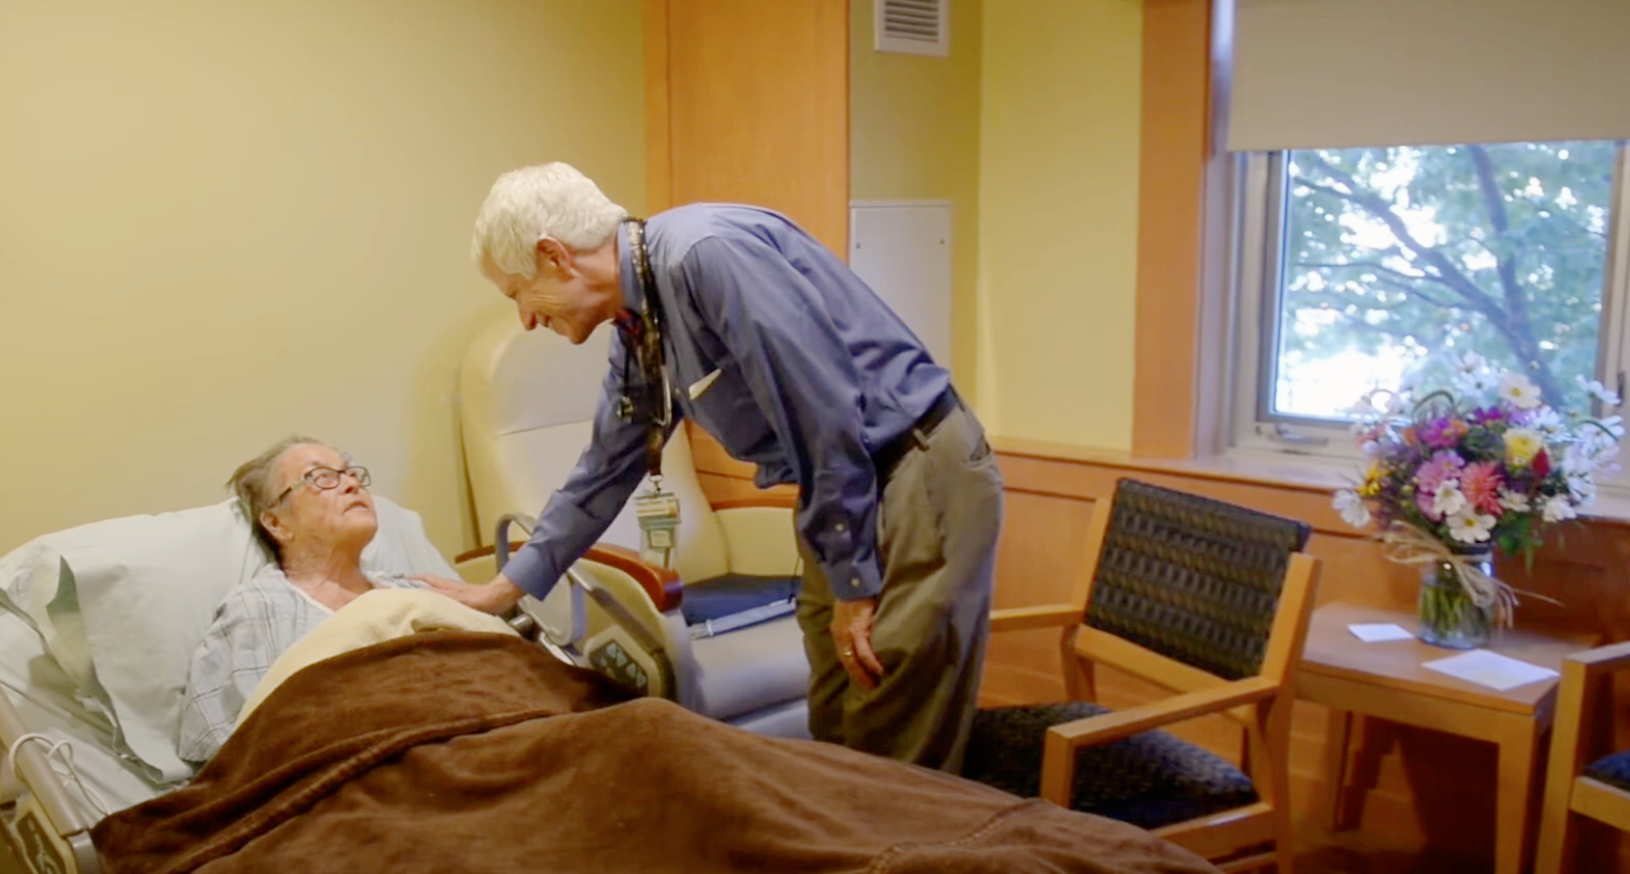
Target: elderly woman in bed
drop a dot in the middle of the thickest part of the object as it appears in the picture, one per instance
(312, 509)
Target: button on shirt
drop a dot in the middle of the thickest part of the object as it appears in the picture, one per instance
(777, 349)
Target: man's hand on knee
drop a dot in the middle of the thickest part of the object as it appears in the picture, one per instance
(852, 636)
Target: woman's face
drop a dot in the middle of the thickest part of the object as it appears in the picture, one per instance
(309, 515)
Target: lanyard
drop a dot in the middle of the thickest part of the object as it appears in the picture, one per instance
(647, 348)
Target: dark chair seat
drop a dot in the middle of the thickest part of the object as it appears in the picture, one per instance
(1149, 780)
(1613, 770)
(731, 594)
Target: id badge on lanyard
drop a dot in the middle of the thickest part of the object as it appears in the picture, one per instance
(658, 513)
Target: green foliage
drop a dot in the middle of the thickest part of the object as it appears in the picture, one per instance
(1494, 249)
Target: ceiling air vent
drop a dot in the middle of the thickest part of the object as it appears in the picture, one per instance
(918, 27)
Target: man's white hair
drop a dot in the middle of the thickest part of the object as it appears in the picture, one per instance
(544, 200)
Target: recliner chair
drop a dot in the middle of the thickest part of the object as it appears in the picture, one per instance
(526, 409)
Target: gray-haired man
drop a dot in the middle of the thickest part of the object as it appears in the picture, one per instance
(776, 348)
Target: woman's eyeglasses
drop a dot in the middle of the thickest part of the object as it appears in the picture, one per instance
(324, 478)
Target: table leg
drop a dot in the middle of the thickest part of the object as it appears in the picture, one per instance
(1337, 736)
(1514, 791)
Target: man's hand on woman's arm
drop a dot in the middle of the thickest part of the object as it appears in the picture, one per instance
(494, 597)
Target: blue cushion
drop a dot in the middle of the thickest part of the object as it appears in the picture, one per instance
(734, 593)
(1149, 780)
(1613, 770)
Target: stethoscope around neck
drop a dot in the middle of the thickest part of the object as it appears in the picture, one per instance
(646, 350)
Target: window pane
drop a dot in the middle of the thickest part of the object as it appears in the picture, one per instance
(1397, 260)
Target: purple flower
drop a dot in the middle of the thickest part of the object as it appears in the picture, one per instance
(1485, 415)
(1443, 432)
(1444, 465)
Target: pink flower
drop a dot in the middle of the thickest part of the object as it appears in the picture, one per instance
(1480, 483)
(1444, 465)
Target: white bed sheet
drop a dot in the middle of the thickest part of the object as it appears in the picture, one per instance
(42, 695)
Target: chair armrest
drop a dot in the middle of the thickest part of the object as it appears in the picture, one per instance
(1603, 658)
(473, 554)
(1026, 618)
(660, 584)
(1109, 727)
(1058, 755)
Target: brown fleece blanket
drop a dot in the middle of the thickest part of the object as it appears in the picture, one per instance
(464, 751)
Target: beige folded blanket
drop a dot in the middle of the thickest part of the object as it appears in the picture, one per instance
(374, 617)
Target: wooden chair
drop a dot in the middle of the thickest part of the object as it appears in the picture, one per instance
(1580, 780)
(1206, 599)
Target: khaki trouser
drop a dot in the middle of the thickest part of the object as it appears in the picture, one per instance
(940, 516)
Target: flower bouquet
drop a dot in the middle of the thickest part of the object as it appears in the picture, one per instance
(1456, 474)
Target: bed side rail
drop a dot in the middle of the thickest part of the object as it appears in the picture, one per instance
(45, 826)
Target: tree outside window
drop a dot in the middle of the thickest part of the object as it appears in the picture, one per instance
(1398, 260)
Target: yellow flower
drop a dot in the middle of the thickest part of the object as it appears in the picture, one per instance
(1522, 444)
(1372, 481)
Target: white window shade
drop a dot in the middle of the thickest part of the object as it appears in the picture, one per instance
(1339, 73)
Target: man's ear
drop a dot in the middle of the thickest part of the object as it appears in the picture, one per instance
(554, 256)
(275, 527)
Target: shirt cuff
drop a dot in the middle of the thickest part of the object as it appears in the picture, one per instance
(538, 565)
(527, 567)
(853, 580)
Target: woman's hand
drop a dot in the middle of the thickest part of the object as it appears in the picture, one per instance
(494, 597)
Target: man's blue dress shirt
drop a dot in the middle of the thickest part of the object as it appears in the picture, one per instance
(777, 349)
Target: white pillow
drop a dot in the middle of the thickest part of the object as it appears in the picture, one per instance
(138, 594)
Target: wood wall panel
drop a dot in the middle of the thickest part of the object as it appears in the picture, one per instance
(1417, 787)
(748, 102)
(757, 98)
(1171, 176)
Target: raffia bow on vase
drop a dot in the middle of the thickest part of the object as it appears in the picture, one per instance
(1461, 601)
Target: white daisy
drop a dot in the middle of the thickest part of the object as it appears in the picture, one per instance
(1598, 391)
(1470, 526)
(1547, 420)
(1516, 390)
(1352, 508)
(1582, 489)
(1558, 509)
(1478, 384)
(1448, 500)
(1516, 502)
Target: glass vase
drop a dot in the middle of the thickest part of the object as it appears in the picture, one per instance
(1449, 617)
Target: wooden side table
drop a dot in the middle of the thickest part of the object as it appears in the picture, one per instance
(1386, 681)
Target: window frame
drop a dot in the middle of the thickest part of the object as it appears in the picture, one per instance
(1254, 186)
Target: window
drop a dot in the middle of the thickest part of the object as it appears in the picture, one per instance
(1359, 267)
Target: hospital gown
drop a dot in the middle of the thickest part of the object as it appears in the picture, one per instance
(254, 624)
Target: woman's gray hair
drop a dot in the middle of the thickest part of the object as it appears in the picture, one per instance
(544, 200)
(252, 484)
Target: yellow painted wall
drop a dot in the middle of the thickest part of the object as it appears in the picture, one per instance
(914, 135)
(223, 222)
(1058, 186)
